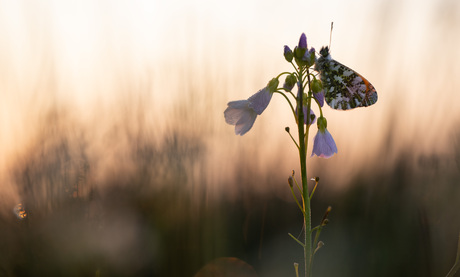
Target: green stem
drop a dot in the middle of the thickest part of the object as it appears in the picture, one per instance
(310, 94)
(318, 230)
(297, 201)
(298, 241)
(303, 170)
(287, 99)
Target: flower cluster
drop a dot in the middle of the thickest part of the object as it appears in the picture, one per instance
(243, 113)
(333, 85)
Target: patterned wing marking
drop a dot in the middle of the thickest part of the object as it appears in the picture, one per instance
(344, 88)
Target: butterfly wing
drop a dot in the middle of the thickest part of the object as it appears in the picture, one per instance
(344, 88)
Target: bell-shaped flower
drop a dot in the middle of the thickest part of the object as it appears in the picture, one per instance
(239, 113)
(243, 113)
(323, 144)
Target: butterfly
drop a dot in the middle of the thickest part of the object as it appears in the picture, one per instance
(344, 88)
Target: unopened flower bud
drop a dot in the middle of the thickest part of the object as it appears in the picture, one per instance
(303, 41)
(322, 123)
(319, 245)
(316, 86)
(291, 181)
(288, 55)
(273, 85)
(298, 55)
(319, 96)
(309, 57)
(325, 221)
(290, 82)
(300, 50)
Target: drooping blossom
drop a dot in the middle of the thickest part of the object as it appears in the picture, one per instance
(243, 113)
(323, 144)
(239, 113)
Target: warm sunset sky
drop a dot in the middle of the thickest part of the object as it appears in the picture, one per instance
(87, 56)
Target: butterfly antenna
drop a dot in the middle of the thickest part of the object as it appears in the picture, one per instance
(330, 36)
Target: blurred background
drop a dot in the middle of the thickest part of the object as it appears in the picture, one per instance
(115, 158)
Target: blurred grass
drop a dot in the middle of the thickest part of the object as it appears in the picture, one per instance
(150, 212)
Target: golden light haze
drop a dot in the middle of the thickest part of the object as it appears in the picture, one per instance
(115, 158)
(177, 63)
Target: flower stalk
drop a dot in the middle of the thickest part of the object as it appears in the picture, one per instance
(243, 113)
(303, 138)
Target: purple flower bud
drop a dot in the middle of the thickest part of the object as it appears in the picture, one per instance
(320, 97)
(303, 41)
(288, 55)
(290, 82)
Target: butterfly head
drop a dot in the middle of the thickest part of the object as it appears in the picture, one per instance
(324, 52)
(323, 60)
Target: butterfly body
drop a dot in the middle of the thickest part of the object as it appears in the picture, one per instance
(344, 88)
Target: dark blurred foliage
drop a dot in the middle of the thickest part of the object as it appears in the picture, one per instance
(150, 214)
